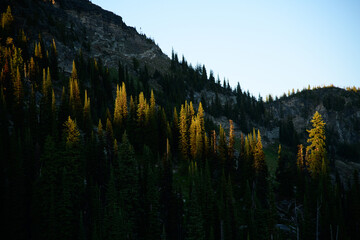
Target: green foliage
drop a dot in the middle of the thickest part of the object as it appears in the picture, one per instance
(63, 178)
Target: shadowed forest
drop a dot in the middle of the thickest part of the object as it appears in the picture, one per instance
(98, 154)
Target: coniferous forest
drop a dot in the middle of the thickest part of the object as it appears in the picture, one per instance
(98, 154)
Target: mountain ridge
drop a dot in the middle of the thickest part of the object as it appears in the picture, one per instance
(81, 25)
(101, 34)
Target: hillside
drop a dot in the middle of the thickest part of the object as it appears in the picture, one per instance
(102, 136)
(79, 24)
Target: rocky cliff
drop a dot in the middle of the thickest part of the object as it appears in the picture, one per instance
(339, 108)
(79, 24)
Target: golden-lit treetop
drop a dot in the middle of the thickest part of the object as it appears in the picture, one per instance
(71, 132)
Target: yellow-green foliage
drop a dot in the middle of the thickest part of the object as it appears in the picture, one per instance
(316, 150)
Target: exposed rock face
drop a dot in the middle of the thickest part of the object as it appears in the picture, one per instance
(339, 108)
(79, 24)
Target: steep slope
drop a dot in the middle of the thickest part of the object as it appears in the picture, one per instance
(339, 108)
(79, 24)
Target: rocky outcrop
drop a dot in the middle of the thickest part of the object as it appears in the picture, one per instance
(339, 108)
(79, 24)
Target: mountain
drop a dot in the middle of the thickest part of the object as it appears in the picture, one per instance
(79, 24)
(102, 136)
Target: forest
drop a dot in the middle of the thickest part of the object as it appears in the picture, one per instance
(98, 154)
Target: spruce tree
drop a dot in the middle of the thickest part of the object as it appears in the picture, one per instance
(261, 169)
(128, 185)
(183, 136)
(231, 149)
(316, 149)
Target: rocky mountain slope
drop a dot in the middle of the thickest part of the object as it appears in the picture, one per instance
(79, 24)
(339, 108)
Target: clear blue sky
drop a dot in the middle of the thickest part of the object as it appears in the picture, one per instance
(267, 46)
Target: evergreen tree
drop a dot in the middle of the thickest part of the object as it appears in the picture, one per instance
(18, 98)
(87, 114)
(72, 134)
(128, 184)
(222, 147)
(120, 111)
(141, 110)
(183, 136)
(113, 219)
(231, 141)
(300, 160)
(6, 19)
(74, 94)
(192, 142)
(260, 169)
(316, 149)
(195, 220)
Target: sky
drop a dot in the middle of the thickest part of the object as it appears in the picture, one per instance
(269, 47)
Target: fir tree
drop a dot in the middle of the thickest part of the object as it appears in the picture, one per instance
(300, 160)
(316, 149)
(183, 136)
(261, 169)
(72, 134)
(120, 111)
(231, 141)
(127, 178)
(87, 114)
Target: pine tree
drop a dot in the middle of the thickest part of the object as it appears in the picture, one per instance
(141, 110)
(54, 61)
(74, 95)
(113, 217)
(200, 116)
(231, 141)
(109, 138)
(72, 134)
(222, 148)
(120, 111)
(192, 133)
(18, 98)
(190, 111)
(152, 104)
(213, 142)
(53, 113)
(66, 215)
(316, 149)
(100, 129)
(45, 187)
(175, 130)
(87, 114)
(6, 19)
(127, 178)
(63, 112)
(199, 139)
(183, 133)
(261, 169)
(300, 160)
(195, 228)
